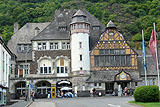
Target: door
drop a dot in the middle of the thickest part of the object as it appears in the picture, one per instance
(109, 88)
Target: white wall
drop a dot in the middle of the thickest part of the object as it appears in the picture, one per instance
(76, 51)
(4, 75)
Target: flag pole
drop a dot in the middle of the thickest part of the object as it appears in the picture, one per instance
(156, 57)
(144, 60)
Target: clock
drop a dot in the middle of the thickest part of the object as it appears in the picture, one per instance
(123, 76)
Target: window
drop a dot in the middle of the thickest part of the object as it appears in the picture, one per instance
(74, 27)
(101, 51)
(128, 60)
(96, 60)
(122, 60)
(80, 44)
(41, 70)
(57, 69)
(78, 26)
(63, 45)
(41, 46)
(117, 60)
(100, 85)
(45, 66)
(95, 27)
(106, 60)
(68, 45)
(62, 67)
(44, 46)
(54, 46)
(81, 26)
(80, 57)
(95, 84)
(101, 62)
(62, 29)
(112, 60)
(136, 84)
(66, 69)
(26, 68)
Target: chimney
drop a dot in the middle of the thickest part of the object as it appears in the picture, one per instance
(37, 30)
(15, 27)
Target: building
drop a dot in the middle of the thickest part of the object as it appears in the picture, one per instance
(75, 50)
(5, 69)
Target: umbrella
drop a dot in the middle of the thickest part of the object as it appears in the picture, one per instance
(66, 88)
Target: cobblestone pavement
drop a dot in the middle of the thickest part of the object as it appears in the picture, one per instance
(84, 102)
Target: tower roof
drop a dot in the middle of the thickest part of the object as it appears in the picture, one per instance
(79, 17)
(111, 24)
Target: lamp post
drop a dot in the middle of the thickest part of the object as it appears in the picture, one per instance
(27, 84)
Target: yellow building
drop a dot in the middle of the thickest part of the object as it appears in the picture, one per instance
(113, 63)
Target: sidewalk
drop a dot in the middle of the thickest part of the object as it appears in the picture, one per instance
(20, 103)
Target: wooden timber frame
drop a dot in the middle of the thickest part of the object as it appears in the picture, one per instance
(111, 39)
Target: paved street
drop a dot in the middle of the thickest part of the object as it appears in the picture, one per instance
(84, 102)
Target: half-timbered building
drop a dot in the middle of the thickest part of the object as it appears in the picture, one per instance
(113, 62)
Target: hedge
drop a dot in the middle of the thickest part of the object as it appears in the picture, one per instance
(146, 94)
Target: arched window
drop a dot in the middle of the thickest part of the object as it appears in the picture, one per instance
(20, 89)
(45, 66)
(43, 87)
(62, 67)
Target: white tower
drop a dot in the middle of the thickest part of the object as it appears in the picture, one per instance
(80, 26)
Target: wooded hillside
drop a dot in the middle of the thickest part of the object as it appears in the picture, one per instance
(131, 16)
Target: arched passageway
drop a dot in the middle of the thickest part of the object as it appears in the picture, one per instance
(20, 89)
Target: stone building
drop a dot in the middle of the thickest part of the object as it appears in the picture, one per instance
(5, 68)
(75, 50)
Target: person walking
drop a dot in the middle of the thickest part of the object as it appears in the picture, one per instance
(32, 95)
(125, 91)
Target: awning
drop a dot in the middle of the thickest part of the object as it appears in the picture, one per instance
(66, 88)
(67, 82)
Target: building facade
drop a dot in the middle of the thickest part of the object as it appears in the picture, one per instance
(5, 69)
(75, 50)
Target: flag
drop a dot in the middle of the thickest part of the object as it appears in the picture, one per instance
(143, 51)
(152, 46)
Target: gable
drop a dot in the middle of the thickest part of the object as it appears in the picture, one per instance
(113, 46)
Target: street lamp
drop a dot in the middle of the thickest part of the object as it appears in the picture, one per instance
(27, 84)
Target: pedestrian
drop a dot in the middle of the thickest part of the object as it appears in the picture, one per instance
(125, 91)
(32, 95)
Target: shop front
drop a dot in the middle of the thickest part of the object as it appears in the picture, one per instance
(2, 95)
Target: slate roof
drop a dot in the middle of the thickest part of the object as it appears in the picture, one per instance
(24, 36)
(109, 76)
(63, 19)
(150, 66)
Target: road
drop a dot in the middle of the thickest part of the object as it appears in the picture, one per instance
(84, 102)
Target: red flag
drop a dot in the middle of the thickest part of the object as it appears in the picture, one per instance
(152, 46)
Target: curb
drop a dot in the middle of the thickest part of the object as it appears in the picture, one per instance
(135, 105)
(29, 104)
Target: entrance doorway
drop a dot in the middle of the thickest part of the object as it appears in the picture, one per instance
(43, 88)
(20, 89)
(63, 87)
(109, 88)
(123, 84)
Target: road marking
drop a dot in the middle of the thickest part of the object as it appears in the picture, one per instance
(114, 105)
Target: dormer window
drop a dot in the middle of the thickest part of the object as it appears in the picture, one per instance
(95, 27)
(41, 46)
(62, 29)
(23, 47)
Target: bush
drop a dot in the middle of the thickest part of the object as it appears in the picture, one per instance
(146, 94)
